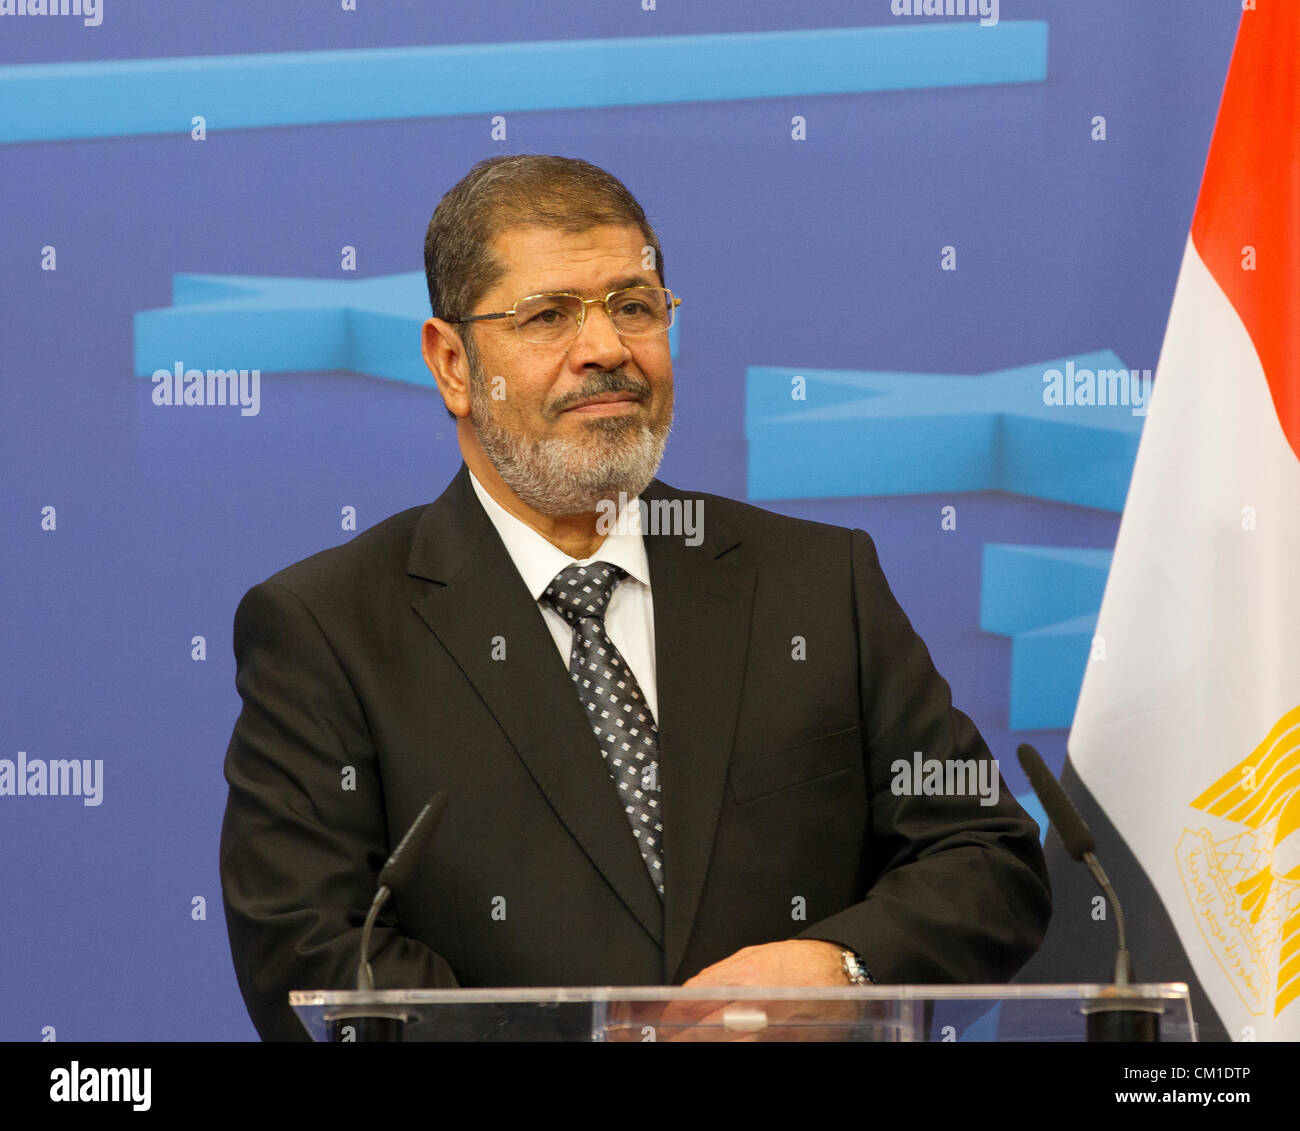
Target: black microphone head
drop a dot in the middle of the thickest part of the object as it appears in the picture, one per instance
(407, 854)
(1073, 832)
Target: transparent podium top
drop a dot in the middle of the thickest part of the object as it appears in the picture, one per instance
(779, 1013)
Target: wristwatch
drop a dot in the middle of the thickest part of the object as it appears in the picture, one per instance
(855, 969)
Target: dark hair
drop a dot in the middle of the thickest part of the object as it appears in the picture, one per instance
(502, 192)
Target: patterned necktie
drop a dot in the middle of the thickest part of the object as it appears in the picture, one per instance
(614, 702)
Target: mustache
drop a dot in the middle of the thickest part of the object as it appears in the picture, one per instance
(608, 381)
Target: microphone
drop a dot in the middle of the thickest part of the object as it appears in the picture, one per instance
(1079, 843)
(396, 872)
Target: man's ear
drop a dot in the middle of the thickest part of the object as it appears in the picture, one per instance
(444, 354)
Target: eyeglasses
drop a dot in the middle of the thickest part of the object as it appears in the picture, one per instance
(549, 319)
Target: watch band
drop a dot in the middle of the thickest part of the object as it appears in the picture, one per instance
(855, 969)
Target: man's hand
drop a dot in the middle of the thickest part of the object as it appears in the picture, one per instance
(795, 962)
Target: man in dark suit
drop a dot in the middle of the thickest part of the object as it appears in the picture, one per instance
(673, 755)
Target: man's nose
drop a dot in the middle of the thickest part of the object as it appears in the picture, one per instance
(598, 343)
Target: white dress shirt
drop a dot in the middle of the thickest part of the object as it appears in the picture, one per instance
(629, 619)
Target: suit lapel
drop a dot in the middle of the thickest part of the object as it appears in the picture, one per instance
(478, 594)
(702, 608)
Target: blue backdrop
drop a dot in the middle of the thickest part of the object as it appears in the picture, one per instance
(919, 216)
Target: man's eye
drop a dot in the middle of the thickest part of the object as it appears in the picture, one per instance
(633, 308)
(548, 316)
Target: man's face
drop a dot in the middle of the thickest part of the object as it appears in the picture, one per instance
(579, 421)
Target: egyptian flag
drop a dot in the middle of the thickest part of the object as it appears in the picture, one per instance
(1186, 738)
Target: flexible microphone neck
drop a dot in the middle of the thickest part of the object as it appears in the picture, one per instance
(1124, 975)
(365, 975)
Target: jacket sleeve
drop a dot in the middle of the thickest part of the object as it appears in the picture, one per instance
(305, 831)
(957, 891)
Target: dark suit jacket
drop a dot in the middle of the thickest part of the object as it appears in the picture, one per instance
(369, 680)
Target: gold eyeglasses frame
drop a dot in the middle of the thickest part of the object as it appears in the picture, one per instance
(673, 304)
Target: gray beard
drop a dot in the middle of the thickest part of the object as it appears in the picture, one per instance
(562, 476)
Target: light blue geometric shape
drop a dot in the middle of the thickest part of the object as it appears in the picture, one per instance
(1047, 666)
(1030, 804)
(1046, 599)
(859, 433)
(985, 1027)
(367, 326)
(48, 101)
(1027, 587)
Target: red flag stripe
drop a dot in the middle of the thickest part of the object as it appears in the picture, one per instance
(1251, 197)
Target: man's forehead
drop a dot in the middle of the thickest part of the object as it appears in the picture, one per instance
(539, 258)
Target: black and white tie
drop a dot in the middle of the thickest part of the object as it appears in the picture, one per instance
(614, 702)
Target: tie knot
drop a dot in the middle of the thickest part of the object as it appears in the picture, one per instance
(583, 590)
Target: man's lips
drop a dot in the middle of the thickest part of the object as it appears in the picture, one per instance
(606, 404)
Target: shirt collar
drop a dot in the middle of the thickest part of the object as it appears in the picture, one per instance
(538, 561)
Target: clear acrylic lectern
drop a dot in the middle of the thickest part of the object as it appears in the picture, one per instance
(1160, 1012)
